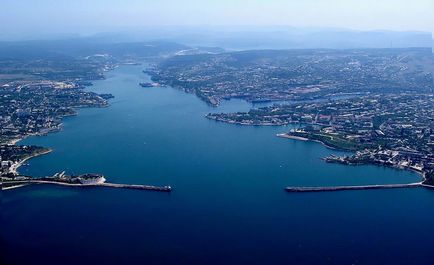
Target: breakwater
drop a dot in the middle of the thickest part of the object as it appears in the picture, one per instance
(362, 187)
(21, 183)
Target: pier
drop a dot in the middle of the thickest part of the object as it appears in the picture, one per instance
(21, 183)
(362, 187)
(136, 187)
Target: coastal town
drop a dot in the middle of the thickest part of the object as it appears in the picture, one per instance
(37, 107)
(38, 90)
(288, 75)
(217, 132)
(31, 108)
(377, 103)
(391, 130)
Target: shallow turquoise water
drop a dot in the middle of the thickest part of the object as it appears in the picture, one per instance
(228, 205)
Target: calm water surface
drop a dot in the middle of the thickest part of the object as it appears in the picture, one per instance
(228, 205)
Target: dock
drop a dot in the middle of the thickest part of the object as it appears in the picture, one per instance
(362, 187)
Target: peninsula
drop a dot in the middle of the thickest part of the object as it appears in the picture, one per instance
(377, 103)
(38, 91)
(85, 180)
(395, 130)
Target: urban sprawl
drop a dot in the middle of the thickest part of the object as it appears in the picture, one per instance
(377, 103)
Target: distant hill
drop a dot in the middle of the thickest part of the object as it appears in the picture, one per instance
(243, 38)
(312, 39)
(83, 47)
(277, 37)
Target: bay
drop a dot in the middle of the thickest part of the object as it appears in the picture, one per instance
(228, 205)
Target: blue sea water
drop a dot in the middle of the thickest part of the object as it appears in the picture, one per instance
(228, 205)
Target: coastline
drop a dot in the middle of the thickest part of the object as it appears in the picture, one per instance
(45, 132)
(246, 124)
(14, 168)
(284, 135)
(14, 141)
(298, 138)
(57, 128)
(14, 187)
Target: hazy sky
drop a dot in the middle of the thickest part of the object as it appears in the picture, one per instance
(21, 17)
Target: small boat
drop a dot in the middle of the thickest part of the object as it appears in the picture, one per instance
(145, 84)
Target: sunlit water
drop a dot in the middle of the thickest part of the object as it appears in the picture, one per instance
(228, 205)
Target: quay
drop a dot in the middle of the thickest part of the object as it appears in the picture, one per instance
(362, 187)
(20, 183)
